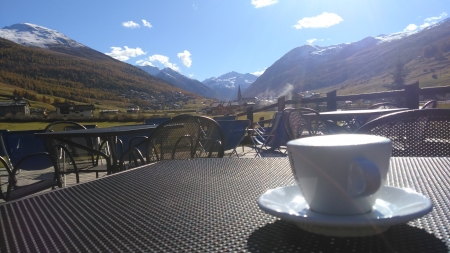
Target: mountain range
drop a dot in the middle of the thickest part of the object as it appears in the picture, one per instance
(229, 83)
(224, 87)
(35, 36)
(183, 82)
(361, 66)
(47, 62)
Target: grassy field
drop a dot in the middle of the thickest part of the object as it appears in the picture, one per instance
(42, 125)
(15, 126)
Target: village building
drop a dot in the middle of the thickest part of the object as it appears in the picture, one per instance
(103, 112)
(16, 106)
(71, 109)
(222, 108)
(133, 109)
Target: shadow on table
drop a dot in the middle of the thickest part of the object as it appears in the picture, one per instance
(283, 236)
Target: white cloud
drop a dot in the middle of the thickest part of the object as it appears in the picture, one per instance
(130, 24)
(263, 3)
(424, 25)
(258, 73)
(323, 20)
(431, 19)
(427, 22)
(124, 54)
(410, 28)
(164, 60)
(311, 41)
(144, 63)
(146, 23)
(185, 57)
(191, 75)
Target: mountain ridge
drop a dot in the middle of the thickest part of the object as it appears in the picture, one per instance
(364, 62)
(178, 80)
(74, 77)
(229, 83)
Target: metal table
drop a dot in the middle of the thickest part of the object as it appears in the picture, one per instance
(208, 205)
(353, 119)
(108, 133)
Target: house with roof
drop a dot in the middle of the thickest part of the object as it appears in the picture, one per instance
(222, 108)
(133, 109)
(71, 109)
(18, 105)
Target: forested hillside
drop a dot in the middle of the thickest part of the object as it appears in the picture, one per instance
(75, 77)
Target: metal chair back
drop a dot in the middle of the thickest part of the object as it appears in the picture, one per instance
(184, 138)
(301, 122)
(384, 105)
(429, 105)
(414, 132)
(69, 158)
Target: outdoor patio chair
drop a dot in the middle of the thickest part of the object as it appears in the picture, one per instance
(71, 158)
(182, 138)
(269, 139)
(414, 132)
(302, 122)
(129, 142)
(233, 131)
(429, 105)
(29, 167)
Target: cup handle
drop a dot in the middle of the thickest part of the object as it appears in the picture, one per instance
(364, 178)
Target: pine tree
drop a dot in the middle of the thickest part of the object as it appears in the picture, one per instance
(399, 74)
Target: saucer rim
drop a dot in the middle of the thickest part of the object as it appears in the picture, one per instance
(361, 221)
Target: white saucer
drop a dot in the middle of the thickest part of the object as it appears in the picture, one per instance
(393, 206)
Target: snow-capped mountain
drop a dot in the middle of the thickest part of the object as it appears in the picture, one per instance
(154, 71)
(311, 67)
(32, 35)
(228, 84)
(178, 80)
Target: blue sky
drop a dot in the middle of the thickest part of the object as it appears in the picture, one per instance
(208, 38)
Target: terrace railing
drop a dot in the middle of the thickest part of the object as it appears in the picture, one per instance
(411, 94)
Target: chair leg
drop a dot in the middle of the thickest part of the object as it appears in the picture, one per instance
(234, 151)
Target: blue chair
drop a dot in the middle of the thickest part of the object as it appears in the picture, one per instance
(233, 131)
(225, 117)
(31, 168)
(271, 138)
(155, 121)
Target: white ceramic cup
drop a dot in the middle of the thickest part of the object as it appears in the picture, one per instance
(340, 174)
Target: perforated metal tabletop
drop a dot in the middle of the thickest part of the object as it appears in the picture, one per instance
(208, 205)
